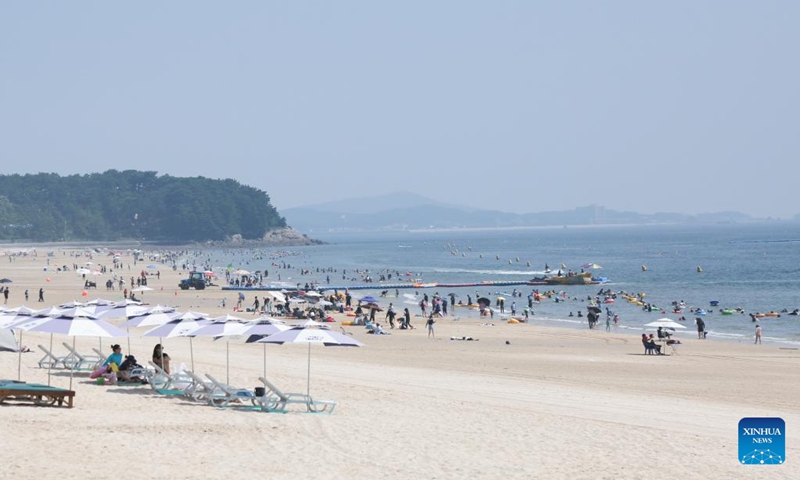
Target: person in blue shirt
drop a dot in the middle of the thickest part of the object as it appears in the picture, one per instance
(115, 357)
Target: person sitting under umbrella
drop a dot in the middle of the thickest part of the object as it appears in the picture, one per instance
(650, 344)
(158, 356)
(663, 333)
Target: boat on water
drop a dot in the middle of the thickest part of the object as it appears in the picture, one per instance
(584, 278)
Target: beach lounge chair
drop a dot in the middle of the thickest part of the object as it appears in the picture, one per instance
(100, 354)
(34, 393)
(275, 400)
(200, 390)
(77, 361)
(49, 360)
(168, 383)
(223, 394)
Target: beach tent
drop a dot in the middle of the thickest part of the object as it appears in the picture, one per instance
(8, 342)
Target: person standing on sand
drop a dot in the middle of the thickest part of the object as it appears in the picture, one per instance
(430, 323)
(390, 314)
(758, 334)
(41, 294)
(26, 295)
(701, 327)
(5, 296)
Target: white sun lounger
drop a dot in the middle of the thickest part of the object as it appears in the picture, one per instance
(77, 361)
(100, 354)
(200, 390)
(224, 394)
(169, 383)
(275, 400)
(49, 360)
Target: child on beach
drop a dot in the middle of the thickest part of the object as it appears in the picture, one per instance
(429, 324)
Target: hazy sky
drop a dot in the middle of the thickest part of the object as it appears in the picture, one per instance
(523, 106)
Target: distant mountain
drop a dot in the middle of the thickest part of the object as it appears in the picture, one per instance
(409, 211)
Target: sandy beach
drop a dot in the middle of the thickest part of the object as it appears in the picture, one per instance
(522, 401)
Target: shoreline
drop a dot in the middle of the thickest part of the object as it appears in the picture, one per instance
(509, 404)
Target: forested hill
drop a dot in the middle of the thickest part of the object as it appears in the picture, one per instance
(129, 205)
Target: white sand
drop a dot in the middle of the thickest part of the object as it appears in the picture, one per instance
(554, 404)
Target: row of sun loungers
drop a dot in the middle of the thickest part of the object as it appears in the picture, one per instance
(192, 386)
(222, 395)
(72, 361)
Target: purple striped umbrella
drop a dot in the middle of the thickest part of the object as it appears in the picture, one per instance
(309, 335)
(82, 324)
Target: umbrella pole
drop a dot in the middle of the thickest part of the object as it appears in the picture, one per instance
(228, 362)
(50, 364)
(265, 360)
(191, 353)
(72, 370)
(128, 331)
(308, 385)
(19, 362)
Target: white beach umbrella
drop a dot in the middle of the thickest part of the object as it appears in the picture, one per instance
(81, 324)
(157, 315)
(123, 309)
(226, 327)
(260, 328)
(312, 335)
(9, 319)
(664, 323)
(181, 325)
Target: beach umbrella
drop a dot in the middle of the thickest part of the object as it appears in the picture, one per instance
(158, 315)
(241, 272)
(664, 323)
(224, 326)
(5, 280)
(103, 302)
(83, 271)
(123, 309)
(80, 324)
(312, 293)
(8, 319)
(369, 299)
(141, 289)
(181, 325)
(71, 304)
(260, 328)
(312, 334)
(484, 301)
(373, 306)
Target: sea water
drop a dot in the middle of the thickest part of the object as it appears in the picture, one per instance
(753, 267)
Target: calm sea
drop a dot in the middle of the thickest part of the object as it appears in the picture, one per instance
(753, 267)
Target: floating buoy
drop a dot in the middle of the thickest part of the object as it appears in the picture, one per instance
(84, 293)
(644, 268)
